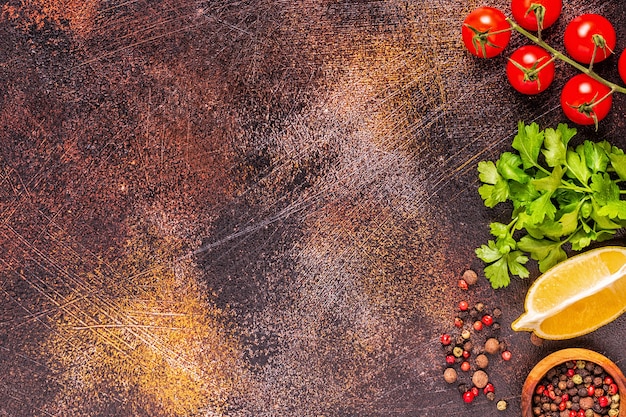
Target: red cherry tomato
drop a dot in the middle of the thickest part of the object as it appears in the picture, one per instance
(530, 69)
(621, 66)
(584, 100)
(580, 34)
(486, 32)
(527, 18)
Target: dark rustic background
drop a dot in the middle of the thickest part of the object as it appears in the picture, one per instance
(254, 208)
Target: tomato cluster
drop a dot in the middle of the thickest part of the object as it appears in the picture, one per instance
(589, 38)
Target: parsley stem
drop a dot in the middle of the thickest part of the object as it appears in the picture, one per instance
(565, 58)
(565, 185)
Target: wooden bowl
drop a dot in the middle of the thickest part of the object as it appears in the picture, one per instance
(561, 356)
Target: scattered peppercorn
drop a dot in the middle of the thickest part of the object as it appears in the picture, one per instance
(463, 284)
(470, 277)
(487, 320)
(450, 375)
(506, 355)
(457, 351)
(468, 396)
(536, 340)
(492, 345)
(501, 405)
(480, 379)
(482, 361)
(466, 351)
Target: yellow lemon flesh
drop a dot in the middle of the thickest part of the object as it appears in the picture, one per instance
(576, 296)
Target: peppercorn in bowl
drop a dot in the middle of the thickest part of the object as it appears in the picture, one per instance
(574, 382)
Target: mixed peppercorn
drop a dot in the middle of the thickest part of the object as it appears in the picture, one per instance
(475, 343)
(576, 389)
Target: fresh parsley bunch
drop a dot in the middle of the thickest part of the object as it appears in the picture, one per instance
(559, 195)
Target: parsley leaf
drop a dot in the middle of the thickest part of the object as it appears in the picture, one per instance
(561, 195)
(618, 162)
(528, 143)
(577, 167)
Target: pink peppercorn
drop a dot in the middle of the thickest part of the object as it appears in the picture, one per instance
(487, 320)
(468, 396)
(603, 401)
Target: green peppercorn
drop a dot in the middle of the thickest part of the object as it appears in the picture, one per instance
(613, 412)
(501, 405)
(581, 364)
(457, 351)
(577, 379)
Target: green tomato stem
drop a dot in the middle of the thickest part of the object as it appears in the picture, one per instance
(614, 87)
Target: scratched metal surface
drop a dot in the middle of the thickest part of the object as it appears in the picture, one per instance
(252, 208)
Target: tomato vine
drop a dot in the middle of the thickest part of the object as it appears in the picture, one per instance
(588, 39)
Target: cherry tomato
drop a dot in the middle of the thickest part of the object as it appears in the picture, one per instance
(526, 17)
(486, 32)
(585, 101)
(580, 34)
(621, 66)
(530, 69)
